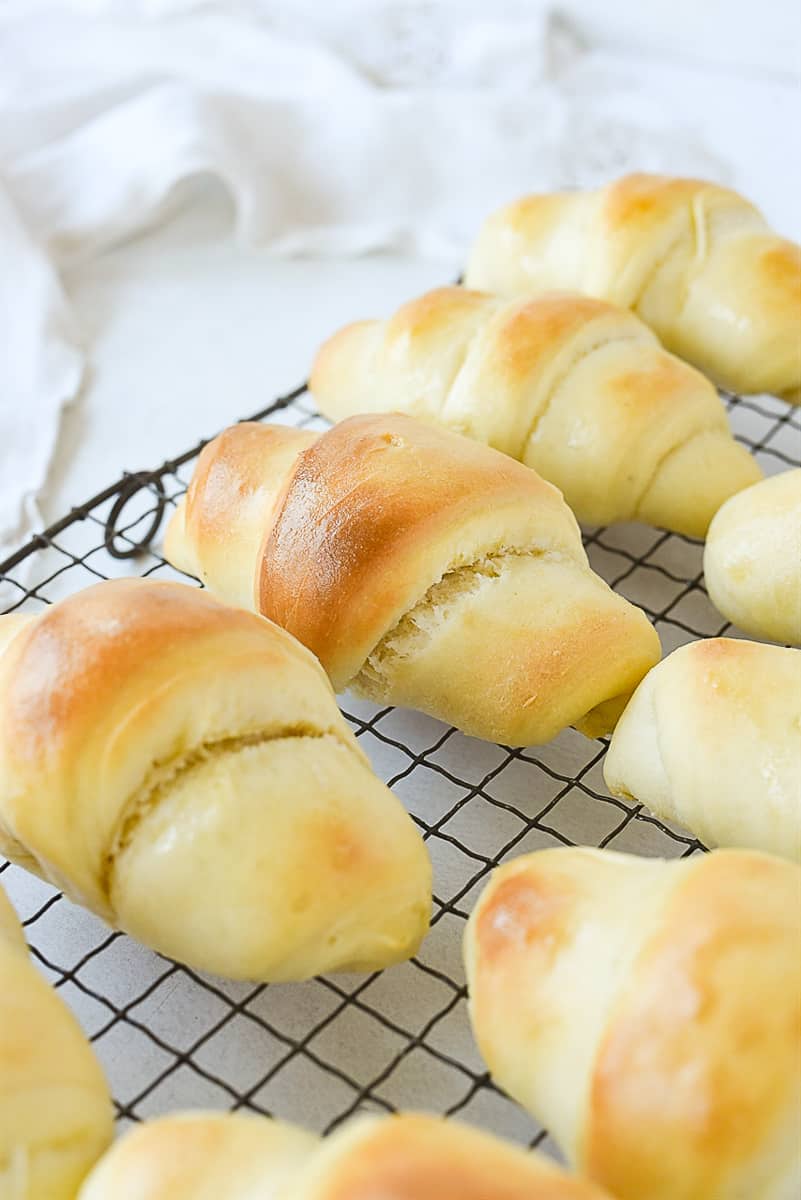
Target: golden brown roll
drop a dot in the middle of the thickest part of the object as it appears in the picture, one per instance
(695, 261)
(56, 1117)
(208, 1156)
(649, 1014)
(421, 568)
(181, 768)
(712, 739)
(574, 387)
(752, 559)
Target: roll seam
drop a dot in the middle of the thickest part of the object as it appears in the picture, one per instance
(563, 377)
(166, 774)
(485, 566)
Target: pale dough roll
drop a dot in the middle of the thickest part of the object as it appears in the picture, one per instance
(649, 1014)
(695, 261)
(711, 739)
(752, 559)
(182, 769)
(56, 1116)
(577, 389)
(202, 1156)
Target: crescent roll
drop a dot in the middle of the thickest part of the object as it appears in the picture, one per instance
(574, 387)
(712, 739)
(207, 1156)
(649, 1014)
(422, 570)
(695, 261)
(752, 559)
(181, 768)
(56, 1117)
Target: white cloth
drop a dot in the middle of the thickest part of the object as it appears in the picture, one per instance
(336, 130)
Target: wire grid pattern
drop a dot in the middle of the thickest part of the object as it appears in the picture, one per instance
(170, 1037)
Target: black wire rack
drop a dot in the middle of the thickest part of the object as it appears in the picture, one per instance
(169, 1037)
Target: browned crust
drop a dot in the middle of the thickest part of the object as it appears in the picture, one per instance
(433, 312)
(348, 551)
(68, 666)
(643, 201)
(524, 923)
(527, 913)
(778, 281)
(229, 471)
(425, 1158)
(703, 1052)
(530, 332)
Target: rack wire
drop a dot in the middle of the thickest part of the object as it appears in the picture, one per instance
(170, 1037)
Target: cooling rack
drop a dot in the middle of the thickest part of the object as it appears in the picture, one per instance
(169, 1037)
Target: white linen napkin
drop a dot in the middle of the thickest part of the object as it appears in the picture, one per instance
(336, 130)
(40, 370)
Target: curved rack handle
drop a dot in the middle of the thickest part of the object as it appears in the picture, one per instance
(131, 486)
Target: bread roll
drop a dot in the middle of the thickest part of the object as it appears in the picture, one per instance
(649, 1014)
(575, 388)
(752, 559)
(55, 1111)
(181, 768)
(421, 569)
(207, 1156)
(712, 739)
(202, 1156)
(695, 261)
